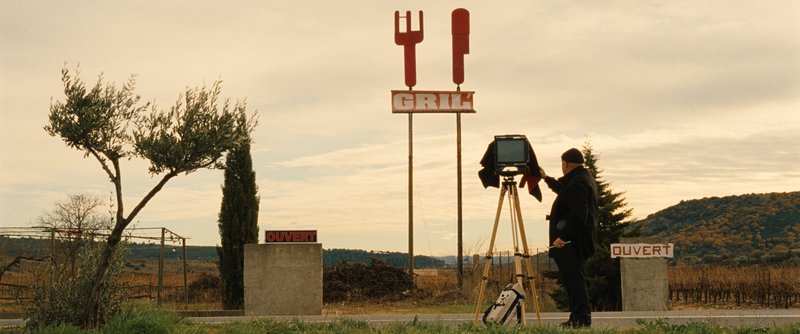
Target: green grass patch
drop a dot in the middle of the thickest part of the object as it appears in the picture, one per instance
(148, 320)
(296, 326)
(414, 327)
(663, 326)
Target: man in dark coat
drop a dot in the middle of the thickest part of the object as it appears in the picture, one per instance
(573, 231)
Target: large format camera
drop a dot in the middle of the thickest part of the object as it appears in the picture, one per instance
(506, 157)
(512, 154)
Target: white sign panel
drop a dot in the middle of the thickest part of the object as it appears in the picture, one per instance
(425, 101)
(641, 250)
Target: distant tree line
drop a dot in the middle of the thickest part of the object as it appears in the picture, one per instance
(16, 246)
(781, 254)
(10, 247)
(152, 251)
(395, 259)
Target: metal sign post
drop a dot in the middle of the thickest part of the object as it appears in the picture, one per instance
(410, 195)
(410, 101)
(460, 31)
(460, 265)
(409, 39)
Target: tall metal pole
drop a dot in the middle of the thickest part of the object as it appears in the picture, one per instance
(410, 197)
(458, 169)
(460, 32)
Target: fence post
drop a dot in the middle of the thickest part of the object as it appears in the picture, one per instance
(502, 277)
(52, 262)
(538, 280)
(52, 244)
(160, 268)
(185, 285)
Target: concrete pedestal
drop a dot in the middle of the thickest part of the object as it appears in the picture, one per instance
(283, 279)
(645, 286)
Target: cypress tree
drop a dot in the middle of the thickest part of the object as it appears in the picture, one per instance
(602, 272)
(238, 223)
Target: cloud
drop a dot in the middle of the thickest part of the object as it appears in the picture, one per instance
(682, 100)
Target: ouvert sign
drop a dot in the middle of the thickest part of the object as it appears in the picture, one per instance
(641, 250)
(290, 236)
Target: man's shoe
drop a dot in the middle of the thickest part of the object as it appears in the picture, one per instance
(576, 324)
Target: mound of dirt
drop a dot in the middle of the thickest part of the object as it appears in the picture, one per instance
(353, 281)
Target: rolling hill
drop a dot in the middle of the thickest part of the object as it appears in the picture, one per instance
(744, 229)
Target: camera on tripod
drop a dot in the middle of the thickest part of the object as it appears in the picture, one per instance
(512, 154)
(506, 157)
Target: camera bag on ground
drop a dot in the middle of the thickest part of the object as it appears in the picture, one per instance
(509, 302)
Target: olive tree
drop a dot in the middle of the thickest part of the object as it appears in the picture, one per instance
(110, 124)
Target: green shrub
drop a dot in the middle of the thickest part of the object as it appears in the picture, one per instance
(60, 293)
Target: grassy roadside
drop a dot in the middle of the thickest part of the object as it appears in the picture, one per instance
(155, 321)
(349, 326)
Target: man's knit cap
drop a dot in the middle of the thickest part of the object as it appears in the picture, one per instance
(572, 155)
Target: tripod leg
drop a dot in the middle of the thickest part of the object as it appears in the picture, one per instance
(488, 260)
(519, 275)
(527, 256)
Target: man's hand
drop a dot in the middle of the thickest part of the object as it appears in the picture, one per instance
(541, 171)
(558, 243)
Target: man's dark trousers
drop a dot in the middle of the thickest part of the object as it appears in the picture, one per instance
(571, 267)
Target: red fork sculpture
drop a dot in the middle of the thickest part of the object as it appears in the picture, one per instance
(408, 40)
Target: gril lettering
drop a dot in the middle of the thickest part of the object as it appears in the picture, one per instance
(431, 101)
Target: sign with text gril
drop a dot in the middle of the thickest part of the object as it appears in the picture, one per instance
(425, 101)
(291, 236)
(641, 250)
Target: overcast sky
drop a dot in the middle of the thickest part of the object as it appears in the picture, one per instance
(681, 100)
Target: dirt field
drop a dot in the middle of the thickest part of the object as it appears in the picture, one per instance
(437, 290)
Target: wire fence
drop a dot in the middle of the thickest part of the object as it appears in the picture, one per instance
(27, 250)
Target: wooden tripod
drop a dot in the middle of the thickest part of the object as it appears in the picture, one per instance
(510, 188)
